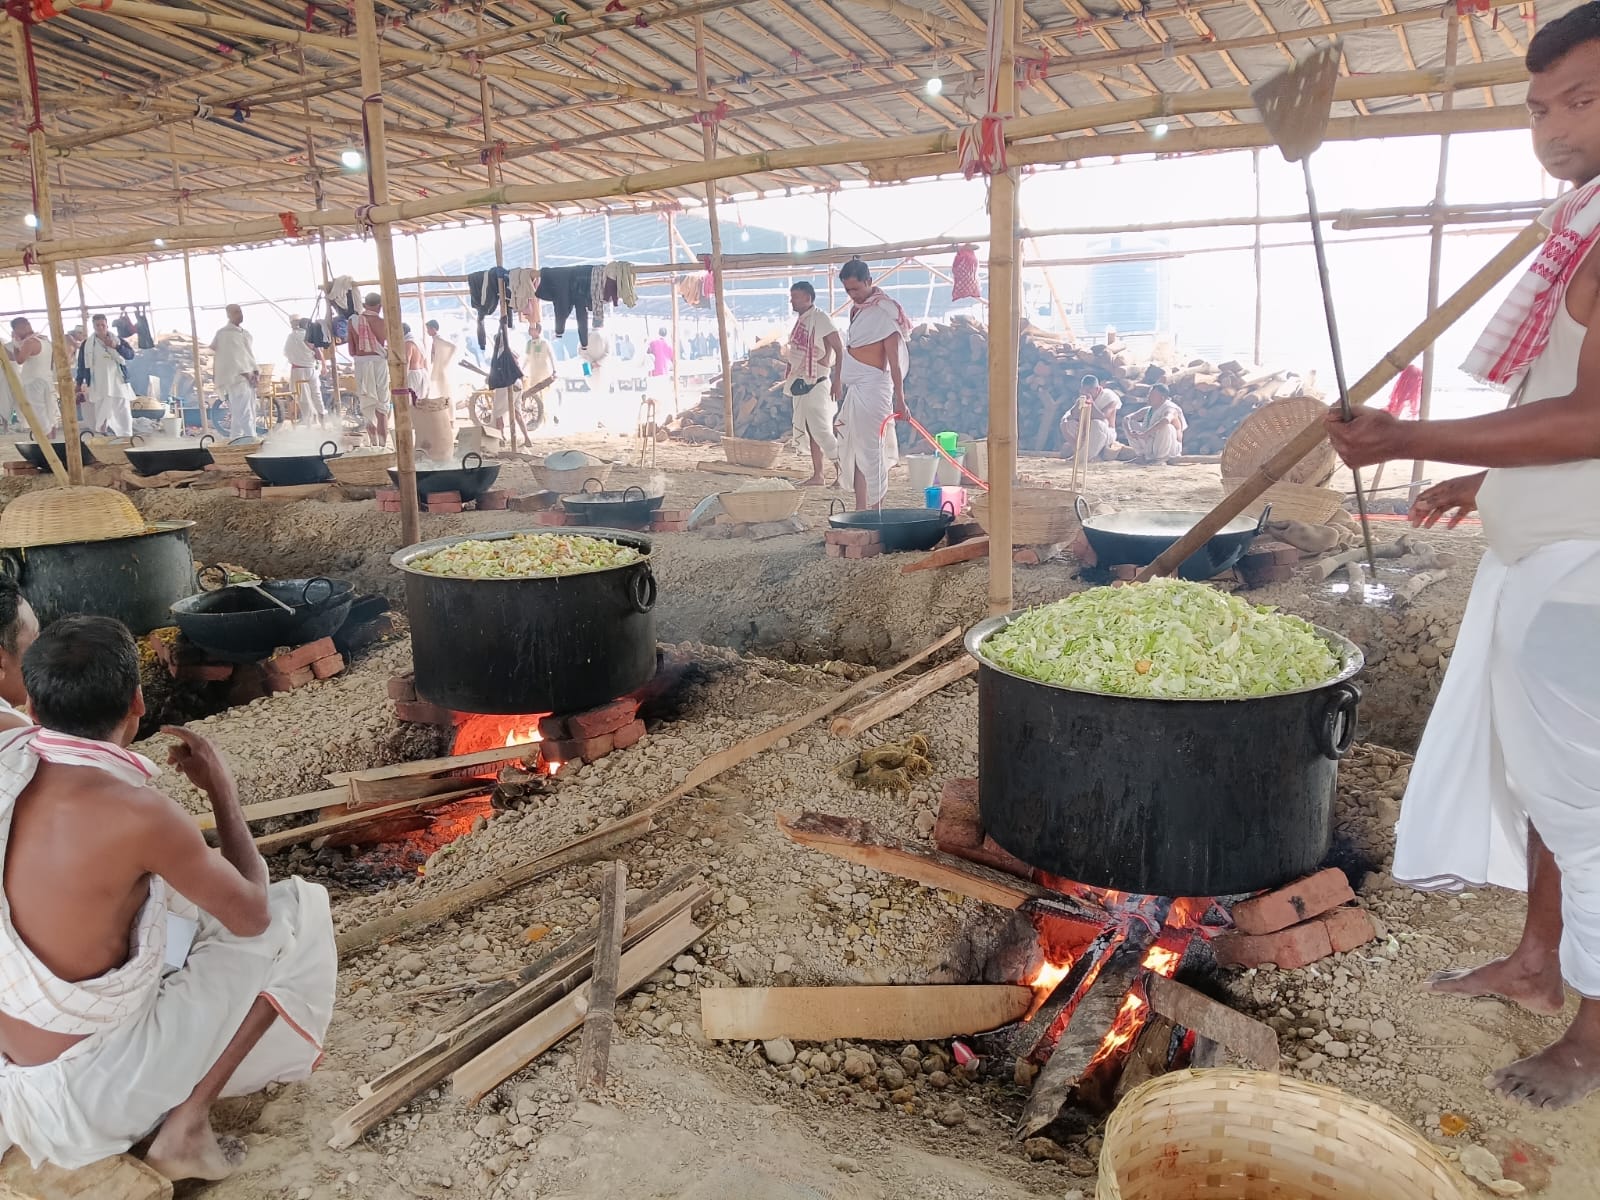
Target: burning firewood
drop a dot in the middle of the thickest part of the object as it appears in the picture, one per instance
(514, 787)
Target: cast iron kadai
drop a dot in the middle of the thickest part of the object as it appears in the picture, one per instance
(899, 528)
(182, 458)
(1162, 797)
(471, 482)
(605, 508)
(33, 453)
(292, 470)
(556, 644)
(239, 624)
(133, 579)
(1138, 536)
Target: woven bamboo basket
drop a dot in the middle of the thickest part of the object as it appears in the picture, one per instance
(113, 452)
(54, 516)
(1039, 516)
(567, 482)
(751, 508)
(1292, 502)
(232, 454)
(744, 452)
(1267, 430)
(362, 470)
(1252, 1135)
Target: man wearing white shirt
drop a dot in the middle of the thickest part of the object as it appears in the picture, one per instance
(304, 368)
(31, 354)
(235, 373)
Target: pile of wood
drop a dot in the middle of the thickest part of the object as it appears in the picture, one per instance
(948, 387)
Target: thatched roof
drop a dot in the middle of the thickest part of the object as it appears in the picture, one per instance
(122, 96)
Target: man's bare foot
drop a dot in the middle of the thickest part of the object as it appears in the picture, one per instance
(185, 1149)
(814, 481)
(1537, 990)
(1563, 1073)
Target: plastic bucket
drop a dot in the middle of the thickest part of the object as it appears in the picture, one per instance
(171, 426)
(978, 458)
(923, 468)
(933, 497)
(955, 497)
(949, 473)
(948, 442)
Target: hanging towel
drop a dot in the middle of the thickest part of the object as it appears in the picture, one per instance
(523, 282)
(567, 290)
(503, 369)
(621, 286)
(342, 298)
(691, 290)
(708, 283)
(141, 329)
(964, 275)
(488, 292)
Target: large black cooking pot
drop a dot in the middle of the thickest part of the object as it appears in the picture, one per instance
(291, 470)
(239, 624)
(33, 453)
(134, 579)
(604, 508)
(471, 482)
(554, 645)
(180, 458)
(899, 528)
(1138, 536)
(1161, 797)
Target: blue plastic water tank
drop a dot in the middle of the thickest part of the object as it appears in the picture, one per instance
(1131, 296)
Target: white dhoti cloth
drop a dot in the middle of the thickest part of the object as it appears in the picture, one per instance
(1100, 436)
(868, 403)
(111, 1089)
(111, 405)
(41, 394)
(1514, 740)
(417, 381)
(1165, 439)
(307, 389)
(241, 398)
(813, 418)
(372, 384)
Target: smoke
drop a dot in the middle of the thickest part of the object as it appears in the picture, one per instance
(294, 441)
(657, 485)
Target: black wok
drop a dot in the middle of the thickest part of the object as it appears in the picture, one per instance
(899, 528)
(238, 624)
(471, 482)
(183, 458)
(1138, 536)
(609, 508)
(289, 470)
(33, 453)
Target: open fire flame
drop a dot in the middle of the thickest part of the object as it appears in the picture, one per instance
(490, 731)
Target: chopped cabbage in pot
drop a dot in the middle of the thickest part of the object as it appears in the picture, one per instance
(1168, 638)
(526, 556)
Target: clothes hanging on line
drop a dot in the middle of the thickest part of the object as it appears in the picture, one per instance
(488, 292)
(568, 291)
(141, 329)
(621, 284)
(123, 325)
(691, 290)
(342, 297)
(504, 372)
(597, 296)
(523, 282)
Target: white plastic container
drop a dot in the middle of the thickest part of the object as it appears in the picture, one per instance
(922, 468)
(949, 473)
(171, 426)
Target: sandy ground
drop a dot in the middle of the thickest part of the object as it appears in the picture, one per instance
(685, 1118)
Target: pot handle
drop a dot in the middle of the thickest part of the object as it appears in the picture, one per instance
(1336, 727)
(949, 506)
(1266, 512)
(305, 593)
(1081, 507)
(138, 440)
(642, 590)
(322, 453)
(598, 486)
(831, 510)
(471, 454)
(12, 562)
(203, 573)
(634, 488)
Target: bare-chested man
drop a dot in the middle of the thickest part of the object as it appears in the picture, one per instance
(142, 975)
(18, 629)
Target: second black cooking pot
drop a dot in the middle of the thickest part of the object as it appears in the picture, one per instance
(239, 624)
(291, 470)
(471, 482)
(628, 507)
(1137, 537)
(170, 458)
(898, 528)
(33, 454)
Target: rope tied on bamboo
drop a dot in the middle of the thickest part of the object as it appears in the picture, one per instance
(712, 117)
(981, 148)
(493, 155)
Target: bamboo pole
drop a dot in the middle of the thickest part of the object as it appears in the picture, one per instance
(378, 167)
(1003, 330)
(22, 50)
(719, 288)
(188, 298)
(492, 168)
(1392, 363)
(919, 147)
(1255, 171)
(1452, 48)
(672, 233)
(330, 363)
(41, 435)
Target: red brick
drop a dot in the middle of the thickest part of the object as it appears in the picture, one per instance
(608, 718)
(834, 550)
(327, 668)
(403, 687)
(958, 826)
(389, 506)
(203, 673)
(669, 526)
(389, 494)
(1290, 949)
(672, 514)
(554, 516)
(420, 712)
(1348, 927)
(533, 502)
(1261, 576)
(1025, 557)
(553, 728)
(443, 497)
(573, 749)
(853, 537)
(281, 681)
(286, 662)
(627, 735)
(1293, 903)
(446, 508)
(868, 551)
(494, 501)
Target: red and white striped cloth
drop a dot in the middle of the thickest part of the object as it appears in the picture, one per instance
(1517, 334)
(981, 148)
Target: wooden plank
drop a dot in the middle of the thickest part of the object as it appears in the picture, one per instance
(366, 793)
(299, 491)
(510, 1054)
(894, 702)
(434, 908)
(548, 980)
(728, 468)
(288, 806)
(120, 1177)
(269, 843)
(1150, 1056)
(594, 1051)
(435, 766)
(857, 842)
(912, 1012)
(945, 556)
(1245, 1036)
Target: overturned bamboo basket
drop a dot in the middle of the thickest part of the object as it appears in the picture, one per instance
(746, 452)
(754, 508)
(362, 470)
(1292, 501)
(1039, 516)
(1267, 430)
(566, 481)
(1236, 1135)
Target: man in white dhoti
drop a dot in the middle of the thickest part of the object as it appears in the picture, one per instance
(1506, 786)
(433, 416)
(416, 364)
(101, 369)
(869, 384)
(305, 372)
(368, 341)
(1099, 405)
(809, 356)
(235, 373)
(1157, 436)
(30, 352)
(142, 975)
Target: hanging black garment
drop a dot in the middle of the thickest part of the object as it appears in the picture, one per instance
(142, 335)
(123, 325)
(489, 292)
(567, 289)
(503, 369)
